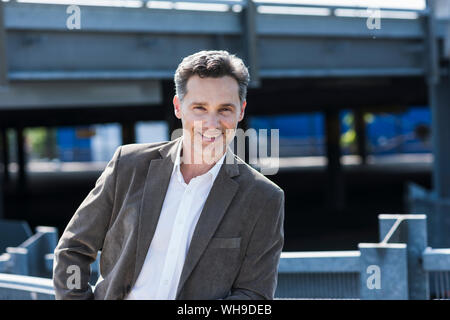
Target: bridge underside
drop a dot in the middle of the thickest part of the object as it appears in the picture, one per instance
(274, 96)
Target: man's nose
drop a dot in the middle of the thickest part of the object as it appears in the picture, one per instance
(211, 123)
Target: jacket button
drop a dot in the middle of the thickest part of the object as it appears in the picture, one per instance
(128, 288)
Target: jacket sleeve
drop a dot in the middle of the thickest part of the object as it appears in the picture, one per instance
(83, 237)
(257, 278)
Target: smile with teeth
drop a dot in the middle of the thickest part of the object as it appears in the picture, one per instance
(210, 139)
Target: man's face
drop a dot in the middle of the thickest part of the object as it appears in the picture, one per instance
(210, 111)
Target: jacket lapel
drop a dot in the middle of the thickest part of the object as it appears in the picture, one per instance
(217, 202)
(155, 188)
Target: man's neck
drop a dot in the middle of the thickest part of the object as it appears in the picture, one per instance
(190, 169)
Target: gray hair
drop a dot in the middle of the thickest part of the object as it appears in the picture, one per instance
(215, 64)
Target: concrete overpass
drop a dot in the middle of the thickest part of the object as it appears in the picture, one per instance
(127, 53)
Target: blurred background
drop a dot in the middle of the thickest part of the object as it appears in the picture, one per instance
(359, 91)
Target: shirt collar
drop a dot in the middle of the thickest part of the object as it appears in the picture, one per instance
(212, 173)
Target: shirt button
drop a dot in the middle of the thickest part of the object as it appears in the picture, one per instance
(166, 282)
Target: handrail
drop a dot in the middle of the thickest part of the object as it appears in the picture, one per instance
(27, 283)
(436, 259)
(319, 261)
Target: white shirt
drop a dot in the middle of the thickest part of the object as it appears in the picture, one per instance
(180, 212)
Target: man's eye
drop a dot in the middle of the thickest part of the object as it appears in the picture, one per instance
(199, 107)
(225, 109)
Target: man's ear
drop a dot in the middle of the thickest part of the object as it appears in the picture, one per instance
(177, 107)
(241, 114)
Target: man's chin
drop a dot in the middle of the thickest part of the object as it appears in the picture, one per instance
(213, 151)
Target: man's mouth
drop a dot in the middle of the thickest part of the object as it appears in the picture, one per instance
(210, 138)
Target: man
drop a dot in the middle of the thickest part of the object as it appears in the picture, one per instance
(185, 219)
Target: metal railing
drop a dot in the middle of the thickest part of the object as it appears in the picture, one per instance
(319, 275)
(400, 266)
(29, 257)
(437, 263)
(20, 287)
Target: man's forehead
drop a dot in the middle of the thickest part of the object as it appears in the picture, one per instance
(196, 80)
(198, 87)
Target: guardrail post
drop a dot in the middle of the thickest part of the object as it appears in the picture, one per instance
(51, 238)
(411, 230)
(384, 271)
(49, 258)
(47, 244)
(18, 262)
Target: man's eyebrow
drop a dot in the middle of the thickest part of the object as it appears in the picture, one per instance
(228, 104)
(198, 103)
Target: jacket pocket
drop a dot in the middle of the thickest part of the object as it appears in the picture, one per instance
(225, 243)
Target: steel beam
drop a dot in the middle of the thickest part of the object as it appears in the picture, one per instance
(439, 98)
(251, 43)
(47, 56)
(442, 12)
(3, 61)
(278, 45)
(433, 67)
(79, 94)
(30, 16)
(52, 17)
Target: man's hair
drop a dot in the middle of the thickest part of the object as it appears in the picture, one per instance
(214, 64)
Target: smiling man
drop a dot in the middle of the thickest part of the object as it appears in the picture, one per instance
(184, 219)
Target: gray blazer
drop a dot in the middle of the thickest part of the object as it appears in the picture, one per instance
(234, 251)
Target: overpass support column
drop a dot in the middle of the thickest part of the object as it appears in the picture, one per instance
(4, 175)
(173, 123)
(360, 129)
(250, 42)
(436, 204)
(128, 132)
(244, 124)
(440, 197)
(440, 116)
(5, 155)
(335, 177)
(21, 160)
(3, 61)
